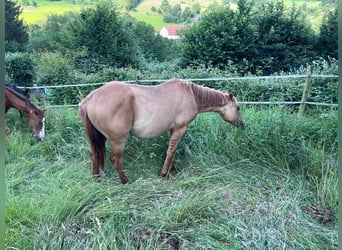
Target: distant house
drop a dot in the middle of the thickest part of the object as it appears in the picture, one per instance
(170, 32)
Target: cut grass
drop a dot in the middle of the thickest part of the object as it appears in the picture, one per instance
(226, 195)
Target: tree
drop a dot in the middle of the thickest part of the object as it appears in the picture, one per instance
(100, 34)
(152, 46)
(285, 41)
(19, 68)
(16, 32)
(327, 42)
(222, 37)
(263, 41)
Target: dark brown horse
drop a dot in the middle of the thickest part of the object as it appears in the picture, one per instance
(35, 116)
(118, 109)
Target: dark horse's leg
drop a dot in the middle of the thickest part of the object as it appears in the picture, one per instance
(174, 136)
(116, 158)
(95, 167)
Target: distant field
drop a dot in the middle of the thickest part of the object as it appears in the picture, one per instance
(34, 15)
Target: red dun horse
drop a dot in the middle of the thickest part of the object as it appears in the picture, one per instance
(35, 116)
(117, 109)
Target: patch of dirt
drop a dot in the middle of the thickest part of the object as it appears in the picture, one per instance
(165, 240)
(322, 215)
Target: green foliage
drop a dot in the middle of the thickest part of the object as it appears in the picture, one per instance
(322, 90)
(55, 70)
(328, 36)
(50, 36)
(258, 41)
(261, 38)
(284, 42)
(100, 33)
(131, 4)
(175, 14)
(219, 39)
(100, 37)
(19, 68)
(16, 33)
(153, 47)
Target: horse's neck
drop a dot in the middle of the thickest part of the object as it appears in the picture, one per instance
(208, 99)
(20, 104)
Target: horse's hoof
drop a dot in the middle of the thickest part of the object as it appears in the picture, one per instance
(173, 171)
(124, 180)
(165, 177)
(97, 178)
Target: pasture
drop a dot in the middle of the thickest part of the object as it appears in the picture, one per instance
(253, 189)
(38, 15)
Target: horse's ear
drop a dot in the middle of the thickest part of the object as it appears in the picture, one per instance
(230, 96)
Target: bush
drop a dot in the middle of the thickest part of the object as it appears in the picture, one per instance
(56, 70)
(19, 68)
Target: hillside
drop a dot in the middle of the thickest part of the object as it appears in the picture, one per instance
(38, 14)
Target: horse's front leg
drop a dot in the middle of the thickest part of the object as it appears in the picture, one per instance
(174, 136)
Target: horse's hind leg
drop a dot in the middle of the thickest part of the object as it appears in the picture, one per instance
(116, 159)
(94, 167)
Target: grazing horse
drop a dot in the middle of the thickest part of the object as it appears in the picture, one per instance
(118, 109)
(35, 116)
(24, 92)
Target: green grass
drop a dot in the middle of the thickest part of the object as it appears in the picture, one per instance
(33, 15)
(234, 189)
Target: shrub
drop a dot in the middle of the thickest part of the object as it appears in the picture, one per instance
(19, 68)
(56, 70)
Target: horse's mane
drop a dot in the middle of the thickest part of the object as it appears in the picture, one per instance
(21, 96)
(208, 97)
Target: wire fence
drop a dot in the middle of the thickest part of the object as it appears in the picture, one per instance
(252, 78)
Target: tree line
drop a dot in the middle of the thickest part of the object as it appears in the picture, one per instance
(261, 38)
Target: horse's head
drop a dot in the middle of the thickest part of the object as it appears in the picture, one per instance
(36, 120)
(231, 111)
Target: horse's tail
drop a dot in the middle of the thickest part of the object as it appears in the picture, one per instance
(96, 140)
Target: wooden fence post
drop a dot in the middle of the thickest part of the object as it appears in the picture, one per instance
(305, 91)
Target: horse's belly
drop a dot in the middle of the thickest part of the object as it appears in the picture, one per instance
(150, 128)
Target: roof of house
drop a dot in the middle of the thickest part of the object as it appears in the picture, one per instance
(172, 29)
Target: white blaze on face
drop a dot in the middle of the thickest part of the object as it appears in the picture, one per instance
(41, 134)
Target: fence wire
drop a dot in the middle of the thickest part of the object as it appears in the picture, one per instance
(254, 78)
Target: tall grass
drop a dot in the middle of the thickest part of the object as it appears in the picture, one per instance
(234, 189)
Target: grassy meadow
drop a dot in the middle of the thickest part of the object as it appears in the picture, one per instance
(38, 15)
(258, 188)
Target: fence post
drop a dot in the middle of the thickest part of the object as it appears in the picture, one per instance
(305, 91)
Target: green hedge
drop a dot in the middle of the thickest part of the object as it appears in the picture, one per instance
(19, 68)
(53, 69)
